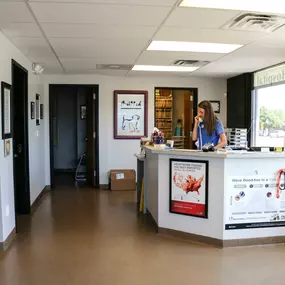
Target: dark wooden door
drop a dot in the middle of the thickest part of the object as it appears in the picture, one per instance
(20, 139)
(91, 136)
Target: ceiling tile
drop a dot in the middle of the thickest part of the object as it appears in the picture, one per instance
(165, 74)
(200, 18)
(247, 59)
(167, 58)
(21, 30)
(97, 31)
(276, 39)
(90, 63)
(206, 35)
(96, 48)
(121, 2)
(15, 12)
(50, 64)
(100, 14)
(101, 72)
(32, 46)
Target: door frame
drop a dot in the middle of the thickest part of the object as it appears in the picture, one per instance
(51, 96)
(191, 89)
(15, 64)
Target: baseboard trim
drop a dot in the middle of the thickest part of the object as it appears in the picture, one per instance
(104, 187)
(37, 202)
(190, 237)
(254, 241)
(216, 242)
(6, 244)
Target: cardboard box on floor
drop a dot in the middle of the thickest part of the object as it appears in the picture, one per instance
(122, 179)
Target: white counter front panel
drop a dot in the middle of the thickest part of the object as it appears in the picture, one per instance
(211, 227)
(267, 167)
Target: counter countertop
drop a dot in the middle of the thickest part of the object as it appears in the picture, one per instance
(224, 155)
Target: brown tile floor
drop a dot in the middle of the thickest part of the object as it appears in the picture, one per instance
(85, 237)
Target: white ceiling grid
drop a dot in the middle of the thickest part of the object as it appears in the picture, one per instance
(73, 36)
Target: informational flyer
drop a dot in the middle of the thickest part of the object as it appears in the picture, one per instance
(255, 202)
(189, 187)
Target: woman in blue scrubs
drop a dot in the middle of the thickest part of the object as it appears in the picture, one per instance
(208, 128)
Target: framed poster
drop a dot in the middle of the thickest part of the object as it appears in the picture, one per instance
(255, 202)
(37, 109)
(32, 110)
(189, 187)
(6, 110)
(216, 106)
(130, 114)
(42, 111)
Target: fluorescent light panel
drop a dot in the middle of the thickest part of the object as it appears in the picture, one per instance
(169, 68)
(272, 6)
(192, 47)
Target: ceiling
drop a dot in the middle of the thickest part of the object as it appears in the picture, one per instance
(74, 36)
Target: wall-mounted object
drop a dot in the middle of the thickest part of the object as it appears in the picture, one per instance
(37, 109)
(7, 147)
(83, 113)
(216, 106)
(6, 110)
(41, 111)
(33, 111)
(130, 114)
(37, 69)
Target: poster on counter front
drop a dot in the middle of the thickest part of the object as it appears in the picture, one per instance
(254, 202)
(189, 187)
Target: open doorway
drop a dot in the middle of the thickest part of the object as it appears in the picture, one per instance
(74, 142)
(20, 140)
(175, 109)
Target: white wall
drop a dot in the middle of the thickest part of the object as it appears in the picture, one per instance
(119, 153)
(36, 144)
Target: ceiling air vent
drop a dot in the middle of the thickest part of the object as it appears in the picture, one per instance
(193, 63)
(114, 66)
(255, 22)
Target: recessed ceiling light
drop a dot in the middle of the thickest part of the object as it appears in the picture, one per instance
(273, 6)
(192, 47)
(164, 68)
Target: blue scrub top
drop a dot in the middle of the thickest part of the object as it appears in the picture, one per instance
(204, 137)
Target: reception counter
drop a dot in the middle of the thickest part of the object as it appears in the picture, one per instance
(224, 199)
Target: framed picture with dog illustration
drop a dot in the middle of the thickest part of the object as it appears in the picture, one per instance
(130, 114)
(188, 185)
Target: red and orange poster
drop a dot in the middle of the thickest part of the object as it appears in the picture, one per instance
(189, 187)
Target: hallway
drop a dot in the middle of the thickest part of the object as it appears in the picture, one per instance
(95, 238)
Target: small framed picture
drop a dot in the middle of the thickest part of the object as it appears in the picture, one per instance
(83, 114)
(37, 109)
(6, 110)
(7, 147)
(42, 111)
(33, 111)
(216, 106)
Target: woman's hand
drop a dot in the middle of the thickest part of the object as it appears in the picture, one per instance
(195, 129)
(197, 120)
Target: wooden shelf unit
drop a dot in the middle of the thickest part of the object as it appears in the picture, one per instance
(163, 111)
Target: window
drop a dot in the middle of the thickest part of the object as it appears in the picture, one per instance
(268, 117)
